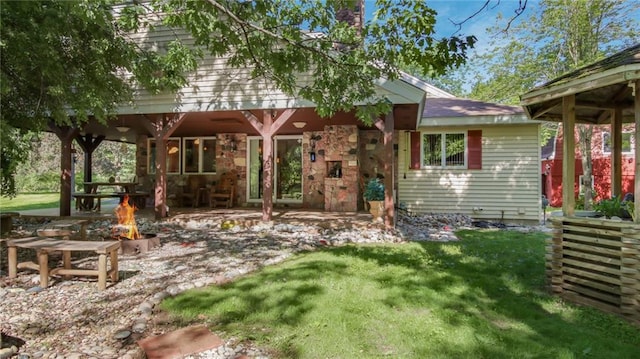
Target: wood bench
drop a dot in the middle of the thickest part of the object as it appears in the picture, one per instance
(92, 201)
(45, 245)
(64, 228)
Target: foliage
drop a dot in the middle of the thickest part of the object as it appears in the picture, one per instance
(30, 201)
(631, 209)
(610, 207)
(480, 297)
(62, 57)
(81, 53)
(41, 171)
(567, 34)
(374, 190)
(280, 39)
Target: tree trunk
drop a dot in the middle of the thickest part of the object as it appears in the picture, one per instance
(585, 133)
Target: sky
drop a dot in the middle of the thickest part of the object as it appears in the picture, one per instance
(459, 10)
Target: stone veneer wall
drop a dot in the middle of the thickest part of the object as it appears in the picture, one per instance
(323, 188)
(226, 160)
(372, 160)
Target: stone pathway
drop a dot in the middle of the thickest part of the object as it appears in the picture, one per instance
(72, 319)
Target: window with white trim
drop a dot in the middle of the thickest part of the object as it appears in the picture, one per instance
(444, 149)
(199, 154)
(627, 142)
(173, 155)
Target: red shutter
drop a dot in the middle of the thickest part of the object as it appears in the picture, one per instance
(414, 164)
(474, 145)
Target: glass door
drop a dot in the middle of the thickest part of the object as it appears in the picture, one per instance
(287, 169)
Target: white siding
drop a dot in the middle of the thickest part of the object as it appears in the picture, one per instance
(215, 86)
(507, 187)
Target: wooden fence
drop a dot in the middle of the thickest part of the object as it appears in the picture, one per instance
(596, 262)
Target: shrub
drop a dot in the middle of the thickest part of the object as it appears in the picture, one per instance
(610, 207)
(374, 191)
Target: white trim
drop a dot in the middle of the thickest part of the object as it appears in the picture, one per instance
(631, 142)
(443, 155)
(200, 154)
(149, 167)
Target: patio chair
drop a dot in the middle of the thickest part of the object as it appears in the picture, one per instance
(224, 192)
(189, 195)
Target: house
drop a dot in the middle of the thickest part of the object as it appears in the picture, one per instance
(284, 154)
(472, 157)
(551, 165)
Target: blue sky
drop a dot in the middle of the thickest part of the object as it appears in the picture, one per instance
(459, 10)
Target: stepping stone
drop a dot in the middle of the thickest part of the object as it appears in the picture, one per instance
(179, 343)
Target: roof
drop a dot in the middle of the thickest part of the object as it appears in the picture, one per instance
(461, 112)
(630, 55)
(599, 88)
(462, 107)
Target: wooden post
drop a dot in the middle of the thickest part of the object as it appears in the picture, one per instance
(13, 261)
(555, 256)
(161, 127)
(102, 271)
(568, 155)
(43, 264)
(113, 258)
(88, 144)
(616, 153)
(636, 109)
(267, 166)
(267, 129)
(630, 275)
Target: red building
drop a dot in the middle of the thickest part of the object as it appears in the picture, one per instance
(601, 158)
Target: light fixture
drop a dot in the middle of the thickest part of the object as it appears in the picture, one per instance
(122, 129)
(299, 124)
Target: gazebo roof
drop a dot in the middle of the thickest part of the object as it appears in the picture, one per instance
(600, 88)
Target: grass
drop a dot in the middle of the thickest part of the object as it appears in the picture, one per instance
(28, 201)
(481, 297)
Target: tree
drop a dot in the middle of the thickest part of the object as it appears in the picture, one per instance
(561, 36)
(60, 58)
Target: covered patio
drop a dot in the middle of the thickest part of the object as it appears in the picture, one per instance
(594, 261)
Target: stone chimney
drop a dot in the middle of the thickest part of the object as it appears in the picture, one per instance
(353, 16)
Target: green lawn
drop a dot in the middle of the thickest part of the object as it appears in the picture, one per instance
(482, 297)
(27, 201)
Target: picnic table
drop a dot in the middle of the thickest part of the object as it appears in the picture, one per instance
(91, 198)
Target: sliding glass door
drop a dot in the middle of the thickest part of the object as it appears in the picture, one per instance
(287, 169)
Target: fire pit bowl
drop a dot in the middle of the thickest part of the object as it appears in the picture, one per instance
(145, 243)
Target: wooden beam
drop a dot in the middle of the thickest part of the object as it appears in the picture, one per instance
(388, 156)
(548, 107)
(616, 153)
(637, 154)
(568, 154)
(88, 143)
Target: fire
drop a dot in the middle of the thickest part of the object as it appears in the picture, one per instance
(126, 220)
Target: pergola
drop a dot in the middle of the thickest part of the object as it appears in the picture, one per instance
(605, 92)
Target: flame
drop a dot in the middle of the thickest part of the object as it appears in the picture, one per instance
(126, 220)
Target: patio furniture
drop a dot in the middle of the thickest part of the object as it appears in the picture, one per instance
(45, 245)
(189, 195)
(224, 192)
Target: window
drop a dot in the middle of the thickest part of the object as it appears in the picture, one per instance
(443, 149)
(627, 142)
(199, 155)
(173, 155)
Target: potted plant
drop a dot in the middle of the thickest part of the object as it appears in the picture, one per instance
(374, 194)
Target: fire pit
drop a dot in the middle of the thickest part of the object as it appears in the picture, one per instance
(126, 231)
